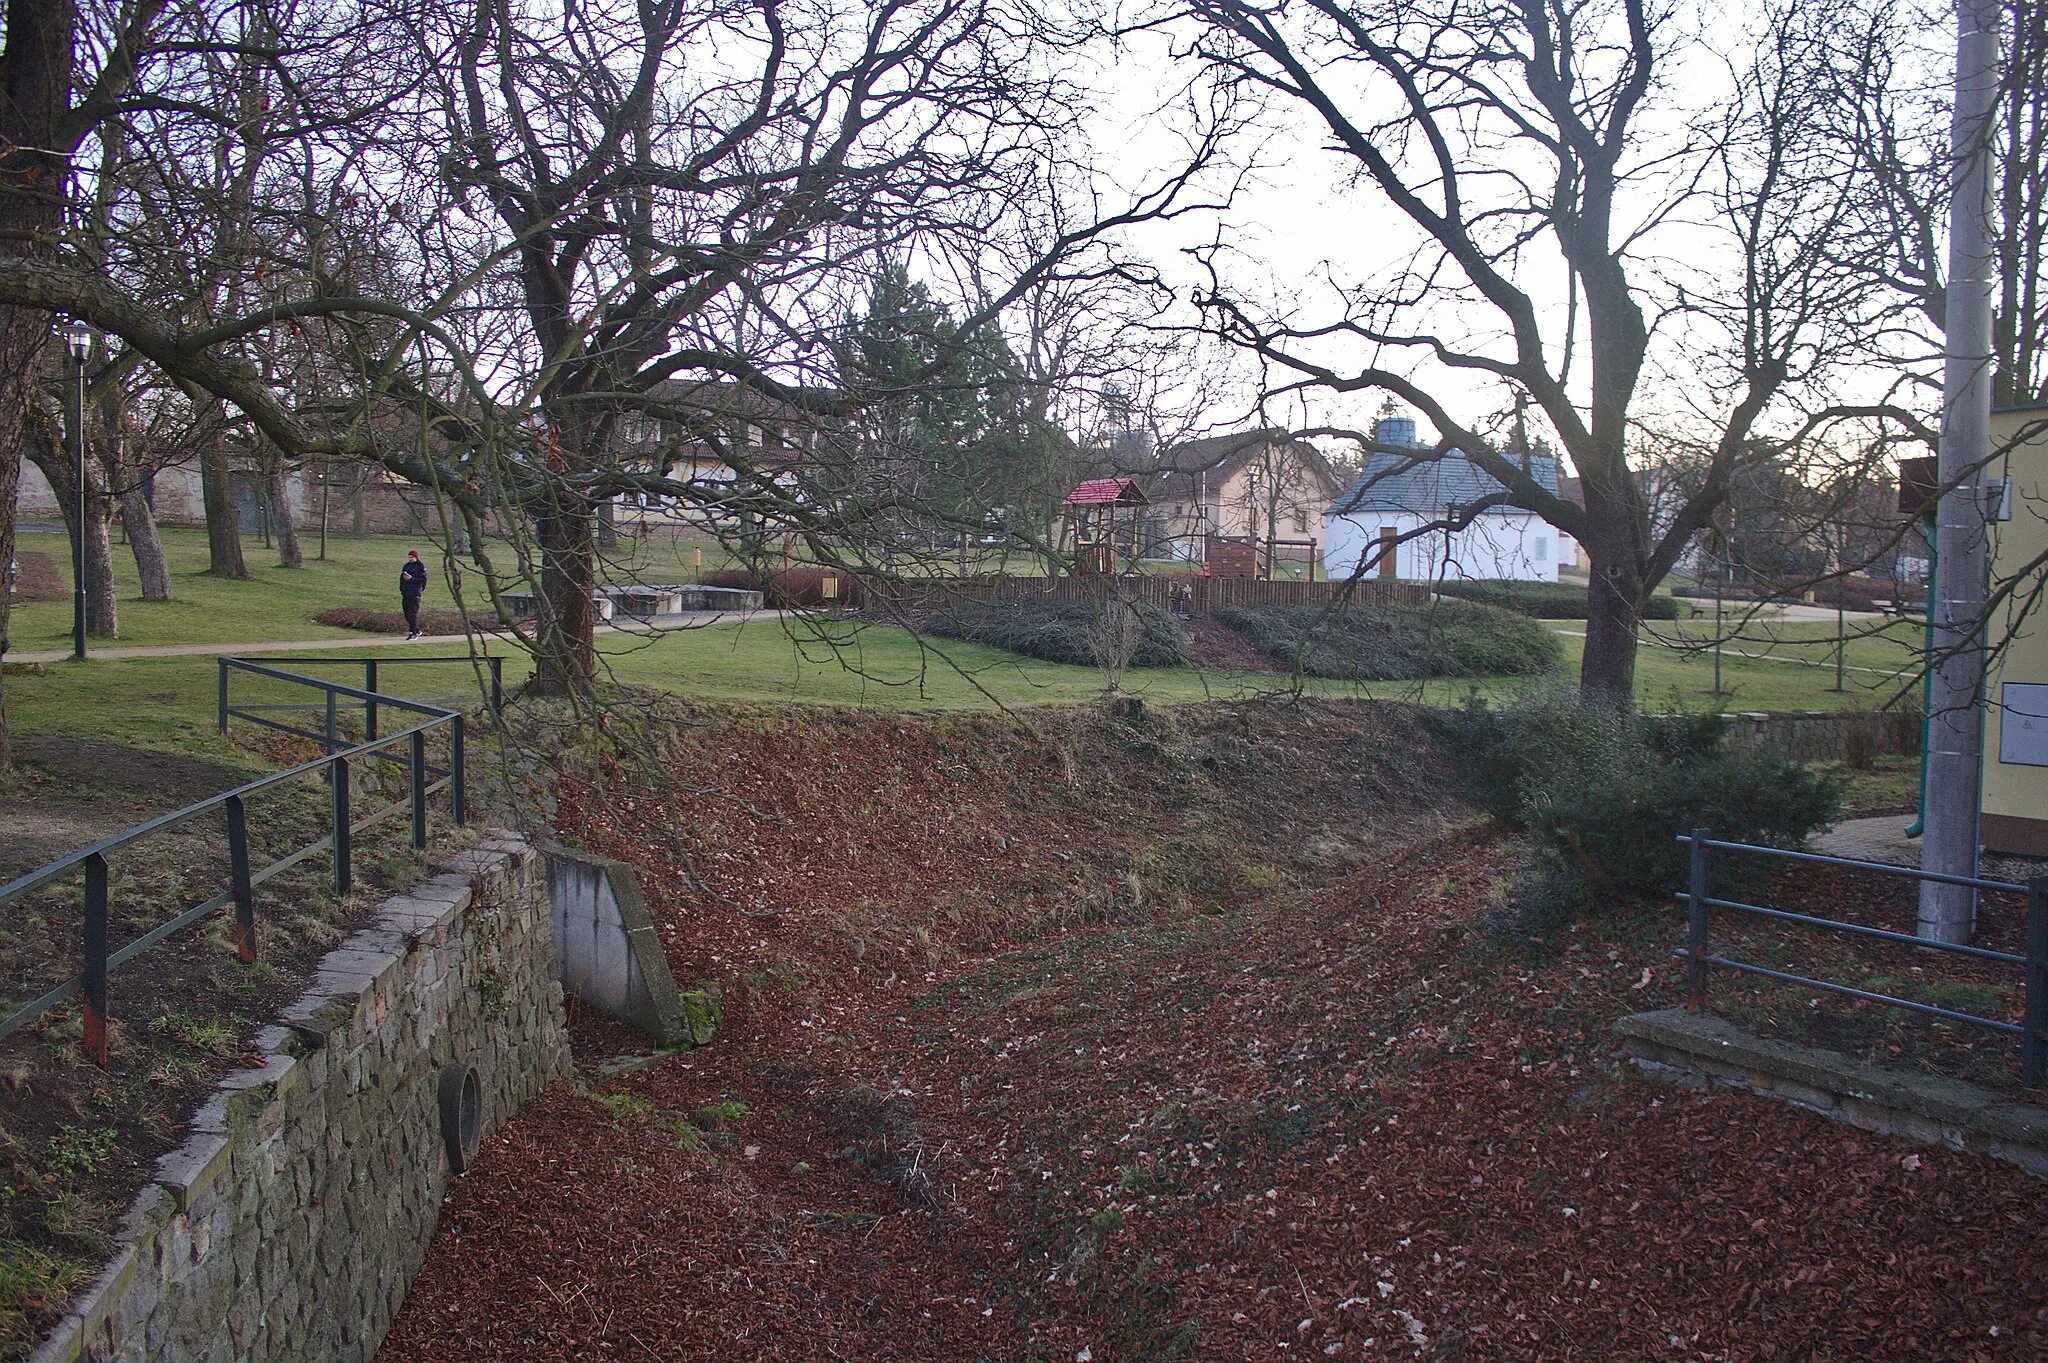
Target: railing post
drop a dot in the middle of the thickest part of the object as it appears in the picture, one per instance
(96, 958)
(497, 684)
(458, 796)
(2034, 1042)
(223, 695)
(337, 778)
(419, 789)
(370, 704)
(1696, 925)
(331, 745)
(238, 872)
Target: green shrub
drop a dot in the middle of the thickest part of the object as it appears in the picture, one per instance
(1605, 793)
(1058, 631)
(1544, 600)
(1400, 642)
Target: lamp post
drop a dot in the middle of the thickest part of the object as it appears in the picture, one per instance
(78, 340)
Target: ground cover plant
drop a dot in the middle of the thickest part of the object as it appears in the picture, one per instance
(1041, 1048)
(1398, 642)
(1544, 600)
(371, 621)
(1071, 632)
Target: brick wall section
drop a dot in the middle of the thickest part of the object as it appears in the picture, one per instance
(290, 1224)
(1823, 735)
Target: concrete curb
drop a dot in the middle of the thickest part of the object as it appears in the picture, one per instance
(1698, 1050)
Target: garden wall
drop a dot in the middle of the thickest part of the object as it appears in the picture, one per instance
(290, 1223)
(1825, 735)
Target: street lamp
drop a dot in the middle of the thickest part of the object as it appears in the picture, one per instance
(78, 340)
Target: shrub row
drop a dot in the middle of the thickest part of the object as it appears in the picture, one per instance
(1544, 600)
(1058, 631)
(1400, 642)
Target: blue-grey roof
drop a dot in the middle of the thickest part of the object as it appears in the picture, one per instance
(1396, 482)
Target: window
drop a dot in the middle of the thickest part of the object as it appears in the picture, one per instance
(1543, 549)
(1301, 520)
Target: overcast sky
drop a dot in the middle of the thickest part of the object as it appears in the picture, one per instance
(1296, 222)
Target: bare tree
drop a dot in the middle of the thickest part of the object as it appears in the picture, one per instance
(1584, 242)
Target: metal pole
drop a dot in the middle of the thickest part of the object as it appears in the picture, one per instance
(497, 684)
(1840, 617)
(2034, 1041)
(1696, 924)
(1919, 824)
(223, 695)
(1720, 578)
(238, 872)
(458, 795)
(419, 789)
(78, 542)
(96, 958)
(337, 779)
(1955, 756)
(331, 745)
(369, 702)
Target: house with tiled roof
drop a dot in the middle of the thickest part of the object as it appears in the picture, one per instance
(1372, 528)
(1256, 486)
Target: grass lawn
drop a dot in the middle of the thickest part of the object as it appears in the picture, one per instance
(274, 603)
(280, 603)
(168, 703)
(832, 664)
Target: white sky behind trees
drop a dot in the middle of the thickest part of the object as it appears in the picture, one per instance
(1300, 226)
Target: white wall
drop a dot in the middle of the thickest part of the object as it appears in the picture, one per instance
(1518, 547)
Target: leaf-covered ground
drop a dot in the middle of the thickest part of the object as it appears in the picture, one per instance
(1182, 1040)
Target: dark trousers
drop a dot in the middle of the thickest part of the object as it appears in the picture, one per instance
(411, 602)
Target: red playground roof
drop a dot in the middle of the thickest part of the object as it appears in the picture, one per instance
(1106, 492)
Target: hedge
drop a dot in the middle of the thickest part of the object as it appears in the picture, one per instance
(1400, 642)
(1544, 600)
(1056, 631)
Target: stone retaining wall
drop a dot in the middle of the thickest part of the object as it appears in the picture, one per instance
(289, 1225)
(1825, 735)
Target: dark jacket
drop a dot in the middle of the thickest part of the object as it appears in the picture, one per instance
(412, 578)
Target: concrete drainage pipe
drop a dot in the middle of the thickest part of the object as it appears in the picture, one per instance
(461, 1115)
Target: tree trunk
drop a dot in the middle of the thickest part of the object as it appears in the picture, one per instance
(144, 542)
(35, 68)
(565, 642)
(289, 552)
(16, 325)
(102, 618)
(1607, 668)
(223, 540)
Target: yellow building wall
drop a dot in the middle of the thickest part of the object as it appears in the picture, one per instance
(2016, 792)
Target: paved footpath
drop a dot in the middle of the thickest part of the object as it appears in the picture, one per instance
(1880, 839)
(116, 653)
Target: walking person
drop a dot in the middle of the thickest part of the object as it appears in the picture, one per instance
(412, 584)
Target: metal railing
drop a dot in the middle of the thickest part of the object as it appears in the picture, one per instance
(329, 735)
(424, 781)
(2032, 1029)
